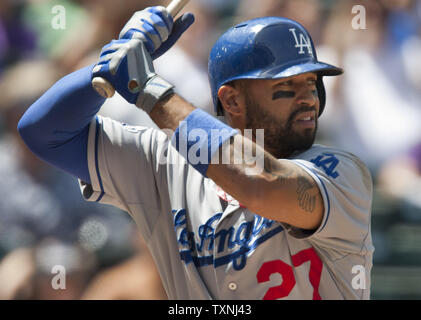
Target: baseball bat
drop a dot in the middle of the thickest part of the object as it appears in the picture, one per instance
(106, 89)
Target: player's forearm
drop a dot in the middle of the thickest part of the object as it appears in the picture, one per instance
(275, 189)
(55, 127)
(170, 111)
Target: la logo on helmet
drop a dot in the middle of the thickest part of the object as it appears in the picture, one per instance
(302, 42)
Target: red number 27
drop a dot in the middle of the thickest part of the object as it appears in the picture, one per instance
(288, 279)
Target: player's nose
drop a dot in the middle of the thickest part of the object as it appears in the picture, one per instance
(307, 97)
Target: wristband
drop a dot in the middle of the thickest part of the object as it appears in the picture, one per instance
(155, 89)
(199, 136)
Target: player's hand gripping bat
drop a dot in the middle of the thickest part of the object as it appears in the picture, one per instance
(101, 85)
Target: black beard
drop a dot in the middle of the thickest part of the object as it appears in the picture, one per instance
(280, 140)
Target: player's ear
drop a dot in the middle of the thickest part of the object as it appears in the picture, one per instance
(231, 99)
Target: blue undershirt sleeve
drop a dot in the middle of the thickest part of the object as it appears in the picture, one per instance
(56, 126)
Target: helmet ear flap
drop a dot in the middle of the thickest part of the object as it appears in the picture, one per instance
(321, 92)
(219, 111)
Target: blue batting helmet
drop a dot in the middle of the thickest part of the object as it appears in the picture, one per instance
(265, 48)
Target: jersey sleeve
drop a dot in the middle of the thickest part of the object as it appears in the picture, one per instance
(126, 169)
(346, 188)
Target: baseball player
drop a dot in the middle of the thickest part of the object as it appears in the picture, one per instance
(287, 220)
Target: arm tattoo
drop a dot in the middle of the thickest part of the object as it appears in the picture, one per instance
(305, 189)
(273, 168)
(306, 200)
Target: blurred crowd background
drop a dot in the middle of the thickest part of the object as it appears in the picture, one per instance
(373, 111)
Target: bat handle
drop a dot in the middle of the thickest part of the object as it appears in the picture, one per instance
(106, 89)
(175, 6)
(103, 87)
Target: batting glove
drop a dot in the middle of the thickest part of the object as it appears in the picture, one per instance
(128, 66)
(155, 27)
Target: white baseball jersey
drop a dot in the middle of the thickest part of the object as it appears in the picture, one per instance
(206, 245)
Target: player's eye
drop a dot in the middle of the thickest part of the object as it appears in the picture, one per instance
(285, 83)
